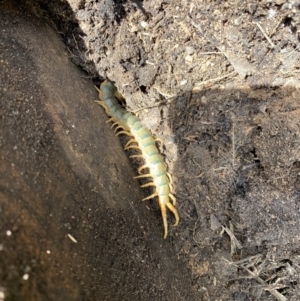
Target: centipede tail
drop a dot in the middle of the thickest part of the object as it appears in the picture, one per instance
(141, 138)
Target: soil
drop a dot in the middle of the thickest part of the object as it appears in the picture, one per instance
(219, 83)
(70, 229)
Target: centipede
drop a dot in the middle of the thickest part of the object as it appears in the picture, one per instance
(141, 139)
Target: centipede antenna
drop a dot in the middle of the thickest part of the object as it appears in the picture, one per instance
(99, 91)
(150, 196)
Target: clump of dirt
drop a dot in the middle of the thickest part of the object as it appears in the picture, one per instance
(218, 82)
(157, 49)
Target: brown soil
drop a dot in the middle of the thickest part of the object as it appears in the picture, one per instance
(70, 229)
(218, 82)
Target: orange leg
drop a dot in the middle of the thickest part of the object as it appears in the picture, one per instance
(141, 168)
(125, 133)
(164, 216)
(148, 184)
(172, 197)
(129, 142)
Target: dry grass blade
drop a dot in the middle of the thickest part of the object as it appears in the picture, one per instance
(234, 242)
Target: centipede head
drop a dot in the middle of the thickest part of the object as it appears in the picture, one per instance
(108, 88)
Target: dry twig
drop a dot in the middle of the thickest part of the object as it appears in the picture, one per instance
(234, 242)
(197, 89)
(264, 33)
(240, 264)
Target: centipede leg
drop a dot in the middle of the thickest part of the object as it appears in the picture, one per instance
(129, 142)
(109, 120)
(137, 156)
(132, 146)
(174, 210)
(150, 196)
(102, 104)
(170, 183)
(119, 96)
(119, 127)
(148, 184)
(156, 139)
(99, 92)
(170, 178)
(114, 124)
(164, 217)
(143, 176)
(125, 133)
(172, 198)
(141, 168)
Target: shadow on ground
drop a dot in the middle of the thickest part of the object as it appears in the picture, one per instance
(72, 223)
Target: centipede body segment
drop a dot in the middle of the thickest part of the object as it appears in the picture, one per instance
(141, 139)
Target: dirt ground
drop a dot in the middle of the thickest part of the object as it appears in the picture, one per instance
(218, 82)
(70, 229)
